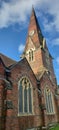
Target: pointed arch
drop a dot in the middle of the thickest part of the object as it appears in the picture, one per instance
(31, 55)
(25, 99)
(49, 102)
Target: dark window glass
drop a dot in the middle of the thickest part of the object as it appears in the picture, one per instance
(25, 100)
(49, 102)
(29, 56)
(25, 96)
(30, 100)
(20, 98)
(32, 55)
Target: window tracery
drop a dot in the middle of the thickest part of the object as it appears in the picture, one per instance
(49, 101)
(25, 96)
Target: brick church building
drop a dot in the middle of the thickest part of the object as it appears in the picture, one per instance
(29, 97)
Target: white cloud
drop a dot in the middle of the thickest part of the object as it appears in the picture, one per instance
(21, 48)
(48, 26)
(57, 60)
(50, 8)
(54, 10)
(16, 11)
(55, 41)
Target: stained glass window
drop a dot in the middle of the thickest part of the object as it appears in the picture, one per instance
(30, 100)
(25, 100)
(21, 97)
(25, 96)
(49, 101)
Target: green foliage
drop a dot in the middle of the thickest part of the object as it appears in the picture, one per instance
(56, 127)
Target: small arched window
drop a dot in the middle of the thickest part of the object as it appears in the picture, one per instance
(49, 101)
(31, 55)
(25, 96)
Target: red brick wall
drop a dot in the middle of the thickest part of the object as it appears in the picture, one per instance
(46, 81)
(23, 122)
(37, 63)
(2, 107)
(2, 70)
(2, 96)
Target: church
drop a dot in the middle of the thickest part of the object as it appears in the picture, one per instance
(29, 95)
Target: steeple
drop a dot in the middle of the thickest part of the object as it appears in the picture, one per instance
(34, 31)
(36, 51)
(33, 19)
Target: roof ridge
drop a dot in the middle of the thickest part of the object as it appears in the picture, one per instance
(6, 57)
(7, 60)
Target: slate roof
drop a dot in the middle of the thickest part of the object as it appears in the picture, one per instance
(6, 60)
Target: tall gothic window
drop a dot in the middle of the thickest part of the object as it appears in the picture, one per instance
(31, 55)
(49, 101)
(25, 101)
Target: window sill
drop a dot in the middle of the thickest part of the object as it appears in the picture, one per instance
(25, 114)
(50, 114)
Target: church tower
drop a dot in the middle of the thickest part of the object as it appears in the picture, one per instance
(36, 51)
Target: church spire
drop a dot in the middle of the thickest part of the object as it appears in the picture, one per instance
(36, 51)
(33, 19)
(34, 31)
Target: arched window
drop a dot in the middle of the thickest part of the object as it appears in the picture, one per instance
(49, 101)
(31, 55)
(25, 101)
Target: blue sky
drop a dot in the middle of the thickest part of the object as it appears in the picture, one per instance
(14, 20)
